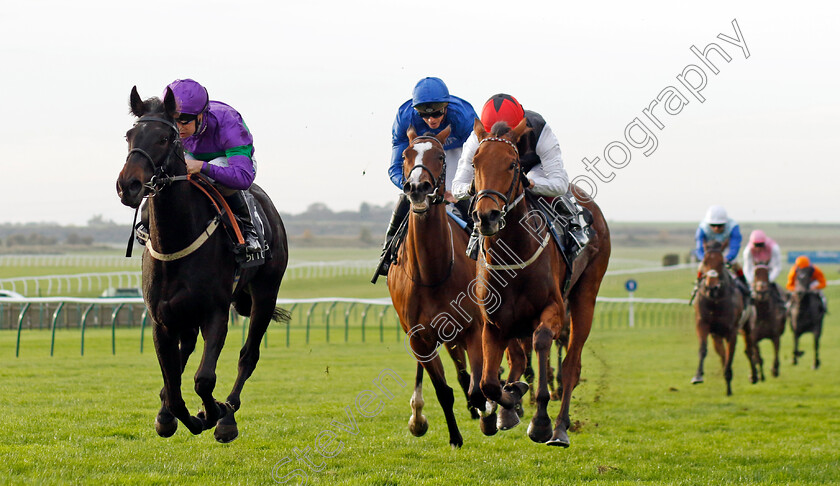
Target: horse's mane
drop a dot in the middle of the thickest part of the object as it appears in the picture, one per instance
(715, 246)
(152, 105)
(499, 128)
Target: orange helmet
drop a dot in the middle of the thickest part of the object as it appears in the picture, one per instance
(802, 262)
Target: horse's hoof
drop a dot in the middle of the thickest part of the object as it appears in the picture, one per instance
(753, 380)
(697, 380)
(166, 428)
(508, 419)
(816, 366)
(555, 396)
(196, 425)
(456, 442)
(519, 410)
(518, 389)
(559, 438)
(540, 429)
(473, 413)
(418, 427)
(488, 425)
(226, 429)
(226, 433)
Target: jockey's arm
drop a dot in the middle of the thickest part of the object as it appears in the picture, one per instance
(734, 244)
(699, 239)
(749, 265)
(775, 262)
(818, 279)
(239, 173)
(549, 178)
(465, 173)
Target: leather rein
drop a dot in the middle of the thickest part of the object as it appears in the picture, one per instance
(161, 180)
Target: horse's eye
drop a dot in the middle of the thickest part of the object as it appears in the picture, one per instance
(512, 165)
(441, 157)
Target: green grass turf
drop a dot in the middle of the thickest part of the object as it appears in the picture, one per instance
(72, 419)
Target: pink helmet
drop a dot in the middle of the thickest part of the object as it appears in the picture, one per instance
(758, 236)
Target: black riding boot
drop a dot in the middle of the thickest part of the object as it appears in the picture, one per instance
(239, 205)
(462, 210)
(397, 218)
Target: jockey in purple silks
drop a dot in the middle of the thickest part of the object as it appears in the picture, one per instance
(218, 144)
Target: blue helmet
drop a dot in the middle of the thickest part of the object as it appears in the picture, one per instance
(429, 90)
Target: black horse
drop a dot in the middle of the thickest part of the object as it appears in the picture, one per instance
(806, 314)
(190, 273)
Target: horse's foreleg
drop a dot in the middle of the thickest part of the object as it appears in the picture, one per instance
(703, 337)
(796, 352)
(459, 357)
(417, 423)
(816, 349)
(776, 342)
(518, 354)
(528, 373)
(540, 429)
(166, 346)
(165, 420)
(474, 353)
(492, 350)
(731, 342)
(446, 398)
(214, 333)
(751, 352)
(582, 306)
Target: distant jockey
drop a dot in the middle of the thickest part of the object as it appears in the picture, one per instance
(762, 250)
(718, 226)
(817, 283)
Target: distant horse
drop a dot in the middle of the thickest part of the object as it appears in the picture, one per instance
(719, 310)
(769, 322)
(428, 282)
(522, 277)
(806, 314)
(189, 270)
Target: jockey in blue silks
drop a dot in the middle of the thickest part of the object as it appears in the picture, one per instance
(718, 226)
(430, 110)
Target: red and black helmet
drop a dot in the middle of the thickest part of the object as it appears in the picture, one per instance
(501, 107)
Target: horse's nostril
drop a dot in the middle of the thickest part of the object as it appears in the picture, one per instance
(494, 216)
(135, 187)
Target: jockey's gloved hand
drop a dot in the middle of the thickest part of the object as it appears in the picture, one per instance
(814, 285)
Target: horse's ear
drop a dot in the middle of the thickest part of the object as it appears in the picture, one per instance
(136, 103)
(411, 133)
(479, 130)
(444, 134)
(169, 103)
(520, 130)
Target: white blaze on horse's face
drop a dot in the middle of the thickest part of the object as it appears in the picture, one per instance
(421, 149)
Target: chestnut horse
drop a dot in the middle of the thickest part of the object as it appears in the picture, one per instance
(522, 277)
(769, 321)
(719, 310)
(428, 282)
(806, 314)
(189, 271)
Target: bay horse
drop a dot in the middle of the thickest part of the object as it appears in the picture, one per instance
(720, 310)
(806, 314)
(770, 316)
(428, 282)
(189, 271)
(522, 278)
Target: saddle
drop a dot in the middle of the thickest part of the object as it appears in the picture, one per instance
(570, 225)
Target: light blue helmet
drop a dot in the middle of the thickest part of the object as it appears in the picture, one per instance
(431, 93)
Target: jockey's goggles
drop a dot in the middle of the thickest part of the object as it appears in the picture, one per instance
(435, 114)
(184, 118)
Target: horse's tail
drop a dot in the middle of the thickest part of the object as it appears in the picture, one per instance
(281, 315)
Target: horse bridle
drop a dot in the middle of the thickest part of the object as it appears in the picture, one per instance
(159, 179)
(502, 200)
(436, 197)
